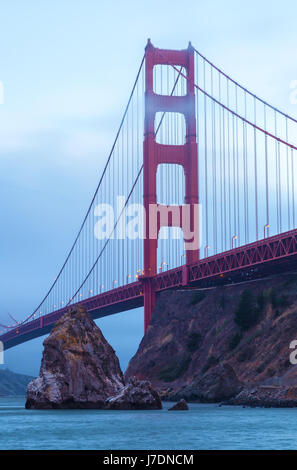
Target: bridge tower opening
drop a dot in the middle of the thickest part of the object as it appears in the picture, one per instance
(155, 154)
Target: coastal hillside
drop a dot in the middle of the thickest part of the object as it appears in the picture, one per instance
(208, 344)
(12, 384)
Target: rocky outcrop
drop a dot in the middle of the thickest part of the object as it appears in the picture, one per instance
(218, 384)
(194, 347)
(181, 405)
(266, 396)
(135, 395)
(79, 369)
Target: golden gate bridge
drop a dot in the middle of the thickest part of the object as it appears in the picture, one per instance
(189, 134)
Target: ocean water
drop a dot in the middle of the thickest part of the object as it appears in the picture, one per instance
(202, 427)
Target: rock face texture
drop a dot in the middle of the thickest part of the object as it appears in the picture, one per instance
(266, 396)
(135, 395)
(201, 344)
(218, 384)
(181, 405)
(79, 369)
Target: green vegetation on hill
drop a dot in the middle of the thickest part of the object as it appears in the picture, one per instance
(248, 310)
(175, 369)
(235, 340)
(12, 384)
(196, 298)
(271, 296)
(194, 341)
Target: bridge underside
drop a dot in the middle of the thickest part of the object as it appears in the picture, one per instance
(269, 256)
(43, 325)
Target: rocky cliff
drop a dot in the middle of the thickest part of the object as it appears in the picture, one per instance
(211, 344)
(79, 369)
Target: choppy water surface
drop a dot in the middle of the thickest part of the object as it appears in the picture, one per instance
(203, 427)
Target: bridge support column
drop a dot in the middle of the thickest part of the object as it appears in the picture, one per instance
(185, 275)
(155, 154)
(149, 299)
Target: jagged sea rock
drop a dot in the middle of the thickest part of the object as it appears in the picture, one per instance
(181, 405)
(135, 395)
(79, 369)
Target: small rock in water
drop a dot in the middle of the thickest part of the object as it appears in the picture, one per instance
(181, 405)
(135, 395)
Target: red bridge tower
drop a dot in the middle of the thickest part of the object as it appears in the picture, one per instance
(155, 154)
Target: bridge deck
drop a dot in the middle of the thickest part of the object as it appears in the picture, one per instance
(273, 254)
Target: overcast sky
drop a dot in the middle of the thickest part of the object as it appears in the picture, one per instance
(67, 68)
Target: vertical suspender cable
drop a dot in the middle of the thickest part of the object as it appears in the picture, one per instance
(288, 178)
(256, 171)
(266, 171)
(205, 157)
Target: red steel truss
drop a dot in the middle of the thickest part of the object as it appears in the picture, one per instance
(277, 253)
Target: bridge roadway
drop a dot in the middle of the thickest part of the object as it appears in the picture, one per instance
(255, 260)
